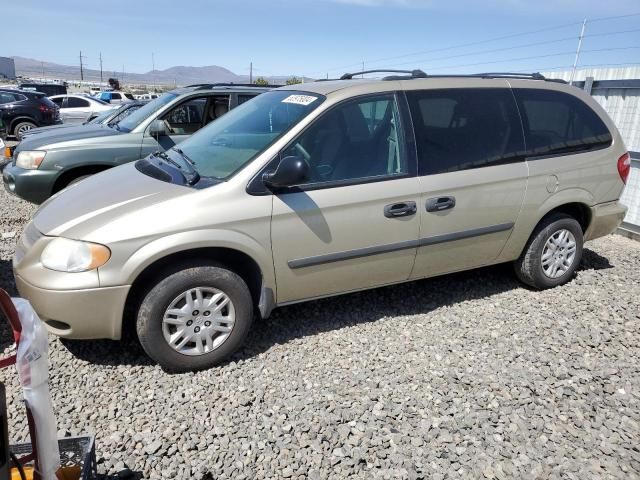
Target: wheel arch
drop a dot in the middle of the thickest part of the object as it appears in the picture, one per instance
(72, 173)
(22, 118)
(257, 277)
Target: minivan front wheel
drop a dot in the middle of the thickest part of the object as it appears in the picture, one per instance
(195, 318)
(553, 252)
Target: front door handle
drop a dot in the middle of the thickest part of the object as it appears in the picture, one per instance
(400, 209)
(437, 204)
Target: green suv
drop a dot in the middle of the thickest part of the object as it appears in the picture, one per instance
(46, 163)
(320, 189)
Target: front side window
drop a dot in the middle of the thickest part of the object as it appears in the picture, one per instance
(75, 102)
(356, 140)
(115, 96)
(186, 118)
(559, 123)
(223, 147)
(459, 129)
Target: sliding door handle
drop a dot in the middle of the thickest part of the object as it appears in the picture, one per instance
(400, 209)
(437, 204)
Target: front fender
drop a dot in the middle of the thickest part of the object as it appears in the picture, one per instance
(162, 247)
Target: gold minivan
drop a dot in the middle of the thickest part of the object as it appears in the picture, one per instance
(320, 189)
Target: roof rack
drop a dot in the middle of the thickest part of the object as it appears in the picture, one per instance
(412, 73)
(205, 86)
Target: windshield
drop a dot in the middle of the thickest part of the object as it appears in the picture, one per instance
(100, 118)
(137, 117)
(227, 144)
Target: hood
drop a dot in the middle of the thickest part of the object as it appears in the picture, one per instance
(92, 203)
(38, 130)
(59, 135)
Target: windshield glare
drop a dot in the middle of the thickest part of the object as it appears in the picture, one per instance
(227, 144)
(137, 117)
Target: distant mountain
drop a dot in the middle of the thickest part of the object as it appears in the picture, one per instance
(178, 75)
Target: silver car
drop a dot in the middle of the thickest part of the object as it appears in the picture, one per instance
(77, 109)
(321, 189)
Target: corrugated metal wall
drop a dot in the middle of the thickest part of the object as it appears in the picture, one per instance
(623, 106)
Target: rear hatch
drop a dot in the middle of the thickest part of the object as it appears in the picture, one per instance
(50, 111)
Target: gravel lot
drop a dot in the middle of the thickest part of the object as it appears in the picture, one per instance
(465, 376)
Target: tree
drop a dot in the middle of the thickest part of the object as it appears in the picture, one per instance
(293, 80)
(114, 83)
(263, 82)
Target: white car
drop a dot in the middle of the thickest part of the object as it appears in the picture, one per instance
(79, 108)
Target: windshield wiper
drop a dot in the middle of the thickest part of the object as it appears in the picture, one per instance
(191, 176)
(167, 158)
(185, 156)
(195, 176)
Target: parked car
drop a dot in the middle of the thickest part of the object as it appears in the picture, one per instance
(22, 110)
(320, 189)
(48, 89)
(108, 117)
(74, 154)
(147, 96)
(76, 109)
(114, 97)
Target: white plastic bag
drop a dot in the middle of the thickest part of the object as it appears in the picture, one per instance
(33, 370)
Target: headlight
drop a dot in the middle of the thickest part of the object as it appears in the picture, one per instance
(30, 159)
(72, 256)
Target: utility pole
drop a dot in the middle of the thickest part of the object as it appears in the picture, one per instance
(362, 69)
(251, 72)
(100, 69)
(122, 74)
(153, 62)
(575, 62)
(81, 70)
(42, 65)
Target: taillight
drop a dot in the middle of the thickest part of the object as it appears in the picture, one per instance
(44, 109)
(624, 166)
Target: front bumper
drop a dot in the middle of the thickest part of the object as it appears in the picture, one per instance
(605, 219)
(80, 314)
(32, 185)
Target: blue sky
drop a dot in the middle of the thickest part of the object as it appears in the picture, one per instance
(316, 37)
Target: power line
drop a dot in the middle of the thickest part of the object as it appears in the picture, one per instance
(489, 40)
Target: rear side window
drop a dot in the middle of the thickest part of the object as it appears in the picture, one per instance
(75, 102)
(459, 129)
(6, 97)
(559, 123)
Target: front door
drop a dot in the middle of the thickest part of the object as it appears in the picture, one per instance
(354, 224)
(473, 176)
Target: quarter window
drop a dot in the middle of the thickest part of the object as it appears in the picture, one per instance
(357, 140)
(459, 129)
(559, 123)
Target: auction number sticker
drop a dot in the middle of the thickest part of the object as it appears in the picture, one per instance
(299, 99)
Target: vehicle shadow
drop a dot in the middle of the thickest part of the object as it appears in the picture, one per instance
(314, 317)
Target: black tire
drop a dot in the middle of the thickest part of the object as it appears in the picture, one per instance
(20, 125)
(158, 299)
(529, 266)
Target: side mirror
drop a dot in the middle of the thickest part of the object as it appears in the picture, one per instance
(157, 129)
(291, 171)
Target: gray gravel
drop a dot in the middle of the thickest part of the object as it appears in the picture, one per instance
(464, 376)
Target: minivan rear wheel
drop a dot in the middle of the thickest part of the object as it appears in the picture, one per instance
(195, 318)
(553, 252)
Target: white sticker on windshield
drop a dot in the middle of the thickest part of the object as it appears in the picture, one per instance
(299, 99)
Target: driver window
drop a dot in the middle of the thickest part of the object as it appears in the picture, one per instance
(358, 139)
(186, 118)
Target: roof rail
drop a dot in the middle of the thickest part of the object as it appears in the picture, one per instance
(204, 86)
(412, 73)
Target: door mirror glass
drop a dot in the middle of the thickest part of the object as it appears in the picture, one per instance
(157, 129)
(292, 170)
